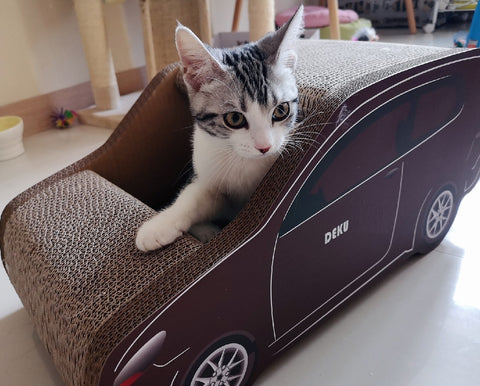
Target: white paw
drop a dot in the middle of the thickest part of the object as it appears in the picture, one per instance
(157, 232)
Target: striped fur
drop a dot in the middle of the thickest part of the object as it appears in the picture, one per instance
(249, 67)
(244, 103)
(247, 78)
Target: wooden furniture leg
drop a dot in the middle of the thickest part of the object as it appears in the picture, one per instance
(333, 16)
(99, 58)
(412, 25)
(236, 15)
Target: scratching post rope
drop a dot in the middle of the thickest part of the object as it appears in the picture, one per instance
(148, 39)
(261, 16)
(99, 58)
(159, 22)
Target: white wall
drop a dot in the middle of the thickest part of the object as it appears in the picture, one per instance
(41, 49)
(222, 12)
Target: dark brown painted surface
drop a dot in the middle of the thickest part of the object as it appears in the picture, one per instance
(353, 208)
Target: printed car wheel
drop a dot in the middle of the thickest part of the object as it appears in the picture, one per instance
(226, 363)
(437, 219)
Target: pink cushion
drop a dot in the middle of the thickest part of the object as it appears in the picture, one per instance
(316, 17)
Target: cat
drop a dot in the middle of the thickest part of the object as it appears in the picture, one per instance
(244, 103)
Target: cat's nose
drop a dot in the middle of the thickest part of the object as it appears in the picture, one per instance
(263, 150)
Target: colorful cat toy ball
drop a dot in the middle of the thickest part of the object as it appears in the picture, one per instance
(63, 118)
(460, 39)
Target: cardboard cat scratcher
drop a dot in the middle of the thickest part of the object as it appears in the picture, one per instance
(394, 145)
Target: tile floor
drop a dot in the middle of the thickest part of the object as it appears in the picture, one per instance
(442, 37)
(419, 326)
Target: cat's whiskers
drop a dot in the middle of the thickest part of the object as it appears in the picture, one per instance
(187, 170)
(221, 174)
(305, 137)
(284, 149)
(302, 144)
(188, 127)
(309, 116)
(298, 137)
(219, 159)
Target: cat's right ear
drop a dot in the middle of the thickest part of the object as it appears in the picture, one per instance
(199, 66)
(280, 46)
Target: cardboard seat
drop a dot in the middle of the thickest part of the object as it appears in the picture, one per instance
(68, 243)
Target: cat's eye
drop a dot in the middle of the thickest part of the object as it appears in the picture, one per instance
(235, 120)
(281, 112)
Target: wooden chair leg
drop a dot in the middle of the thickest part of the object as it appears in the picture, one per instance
(236, 15)
(412, 25)
(333, 17)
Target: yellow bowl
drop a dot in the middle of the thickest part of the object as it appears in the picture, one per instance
(11, 132)
(9, 122)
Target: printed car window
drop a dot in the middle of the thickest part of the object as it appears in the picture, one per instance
(360, 153)
(373, 143)
(366, 149)
(445, 99)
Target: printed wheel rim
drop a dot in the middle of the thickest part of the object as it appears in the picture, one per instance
(226, 366)
(439, 214)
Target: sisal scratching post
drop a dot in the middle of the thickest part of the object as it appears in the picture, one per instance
(148, 39)
(204, 24)
(160, 21)
(261, 17)
(99, 58)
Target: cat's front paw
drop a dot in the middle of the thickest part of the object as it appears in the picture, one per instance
(156, 233)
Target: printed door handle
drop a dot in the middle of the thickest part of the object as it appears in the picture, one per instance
(392, 172)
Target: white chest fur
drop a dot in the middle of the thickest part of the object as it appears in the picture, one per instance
(218, 165)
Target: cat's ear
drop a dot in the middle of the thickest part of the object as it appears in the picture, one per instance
(199, 66)
(280, 45)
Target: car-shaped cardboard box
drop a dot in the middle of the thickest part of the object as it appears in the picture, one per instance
(390, 144)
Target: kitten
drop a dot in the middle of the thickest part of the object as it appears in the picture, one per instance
(244, 104)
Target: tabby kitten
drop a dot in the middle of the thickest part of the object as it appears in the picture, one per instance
(244, 104)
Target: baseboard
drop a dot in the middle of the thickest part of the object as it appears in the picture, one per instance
(36, 111)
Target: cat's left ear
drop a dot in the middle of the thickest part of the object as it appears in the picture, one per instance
(280, 45)
(199, 65)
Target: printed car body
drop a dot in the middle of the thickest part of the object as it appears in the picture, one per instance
(382, 181)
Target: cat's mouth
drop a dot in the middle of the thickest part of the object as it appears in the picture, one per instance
(254, 148)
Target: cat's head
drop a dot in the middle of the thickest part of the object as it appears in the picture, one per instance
(246, 95)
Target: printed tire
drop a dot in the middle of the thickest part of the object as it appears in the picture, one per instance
(436, 219)
(229, 361)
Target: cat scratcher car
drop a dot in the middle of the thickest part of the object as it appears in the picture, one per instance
(390, 145)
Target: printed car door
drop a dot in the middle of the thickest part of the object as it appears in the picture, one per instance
(342, 221)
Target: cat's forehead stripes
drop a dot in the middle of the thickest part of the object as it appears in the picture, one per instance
(249, 67)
